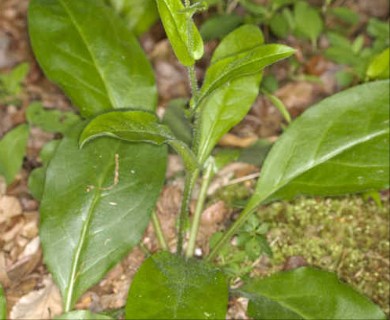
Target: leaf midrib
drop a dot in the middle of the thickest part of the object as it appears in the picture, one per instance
(80, 246)
(86, 43)
(320, 161)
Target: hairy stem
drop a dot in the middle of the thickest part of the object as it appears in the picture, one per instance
(193, 83)
(185, 202)
(229, 234)
(208, 175)
(191, 69)
(159, 232)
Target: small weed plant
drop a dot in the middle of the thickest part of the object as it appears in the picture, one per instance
(102, 180)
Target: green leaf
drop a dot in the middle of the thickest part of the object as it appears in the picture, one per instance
(306, 293)
(3, 305)
(139, 15)
(379, 66)
(82, 315)
(175, 118)
(345, 14)
(50, 120)
(219, 26)
(87, 50)
(227, 105)
(96, 205)
(281, 24)
(308, 22)
(339, 146)
(136, 126)
(36, 179)
(183, 35)
(229, 67)
(171, 287)
(12, 152)
(11, 82)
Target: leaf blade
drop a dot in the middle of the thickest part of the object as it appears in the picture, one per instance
(12, 150)
(227, 105)
(136, 126)
(170, 287)
(184, 37)
(3, 306)
(97, 213)
(307, 293)
(249, 62)
(74, 55)
(357, 122)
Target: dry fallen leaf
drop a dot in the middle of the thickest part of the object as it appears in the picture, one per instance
(231, 140)
(9, 207)
(40, 304)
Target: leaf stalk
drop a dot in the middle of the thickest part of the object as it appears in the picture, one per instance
(206, 179)
(159, 233)
(188, 187)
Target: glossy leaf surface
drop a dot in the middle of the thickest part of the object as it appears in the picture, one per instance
(96, 205)
(339, 146)
(87, 50)
(3, 306)
(12, 151)
(136, 126)
(306, 293)
(172, 287)
(82, 315)
(240, 64)
(179, 32)
(228, 104)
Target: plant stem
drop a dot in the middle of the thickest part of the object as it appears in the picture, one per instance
(208, 175)
(191, 69)
(159, 232)
(189, 184)
(232, 230)
(193, 83)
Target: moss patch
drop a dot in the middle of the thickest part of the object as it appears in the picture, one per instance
(348, 235)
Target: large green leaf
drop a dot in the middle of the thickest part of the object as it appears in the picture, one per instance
(339, 146)
(182, 34)
(306, 293)
(171, 287)
(96, 205)
(3, 306)
(249, 61)
(12, 151)
(229, 104)
(137, 126)
(82, 315)
(88, 51)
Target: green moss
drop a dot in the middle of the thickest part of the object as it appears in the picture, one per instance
(348, 235)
